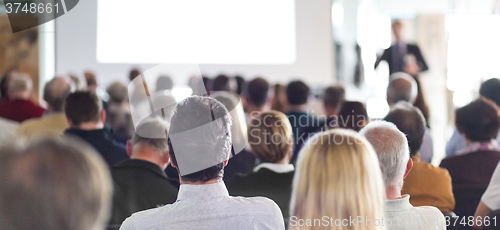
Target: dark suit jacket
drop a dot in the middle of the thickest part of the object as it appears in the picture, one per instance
(102, 140)
(266, 183)
(139, 185)
(410, 49)
(303, 126)
(242, 163)
(472, 168)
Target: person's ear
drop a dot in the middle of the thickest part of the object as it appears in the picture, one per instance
(130, 147)
(165, 160)
(70, 123)
(171, 162)
(409, 166)
(103, 116)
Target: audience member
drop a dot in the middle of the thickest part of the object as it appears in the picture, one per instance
(76, 83)
(19, 106)
(337, 176)
(118, 116)
(91, 80)
(490, 92)
(479, 123)
(221, 83)
(133, 74)
(53, 184)
(255, 97)
(271, 141)
(426, 184)
(392, 150)
(164, 83)
(352, 115)
(200, 144)
(54, 122)
(139, 182)
(86, 119)
(279, 101)
(403, 87)
(332, 102)
(4, 83)
(297, 93)
(240, 84)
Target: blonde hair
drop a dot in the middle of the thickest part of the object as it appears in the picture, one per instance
(270, 136)
(337, 176)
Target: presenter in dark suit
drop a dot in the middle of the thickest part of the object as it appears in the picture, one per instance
(270, 138)
(396, 54)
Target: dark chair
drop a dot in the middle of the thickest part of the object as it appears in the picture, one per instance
(467, 197)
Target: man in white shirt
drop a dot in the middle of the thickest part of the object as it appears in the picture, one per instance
(200, 144)
(392, 149)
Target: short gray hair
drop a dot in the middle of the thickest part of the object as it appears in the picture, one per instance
(20, 82)
(147, 129)
(200, 134)
(392, 150)
(117, 92)
(40, 178)
(55, 93)
(402, 87)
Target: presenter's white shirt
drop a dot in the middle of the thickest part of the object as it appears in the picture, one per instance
(209, 207)
(491, 197)
(401, 215)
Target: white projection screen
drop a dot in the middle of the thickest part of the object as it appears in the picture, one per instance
(280, 40)
(196, 31)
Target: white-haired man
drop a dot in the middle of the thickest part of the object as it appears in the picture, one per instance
(393, 152)
(18, 107)
(199, 147)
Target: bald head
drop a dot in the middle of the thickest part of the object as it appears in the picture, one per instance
(402, 87)
(20, 86)
(55, 92)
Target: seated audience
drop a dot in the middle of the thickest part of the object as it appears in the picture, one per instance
(53, 184)
(479, 123)
(54, 122)
(118, 116)
(425, 184)
(490, 92)
(199, 147)
(19, 107)
(255, 97)
(271, 141)
(279, 101)
(221, 83)
(337, 176)
(332, 102)
(403, 87)
(471, 170)
(352, 115)
(392, 150)
(490, 199)
(86, 119)
(139, 182)
(297, 93)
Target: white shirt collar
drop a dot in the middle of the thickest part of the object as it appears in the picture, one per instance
(400, 204)
(202, 192)
(278, 168)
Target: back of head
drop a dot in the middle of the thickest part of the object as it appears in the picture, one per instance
(200, 138)
(402, 87)
(392, 150)
(490, 89)
(118, 92)
(411, 122)
(337, 175)
(334, 96)
(55, 92)
(280, 102)
(297, 93)
(90, 78)
(270, 136)
(221, 83)
(257, 92)
(83, 106)
(19, 83)
(133, 74)
(53, 184)
(352, 115)
(164, 83)
(478, 121)
(240, 83)
(145, 135)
